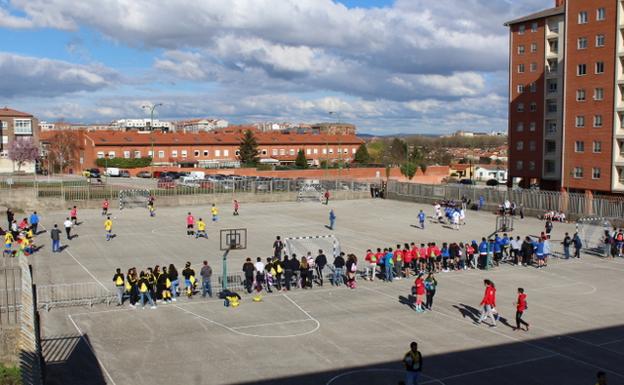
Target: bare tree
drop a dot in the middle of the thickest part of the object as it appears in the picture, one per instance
(22, 151)
(63, 150)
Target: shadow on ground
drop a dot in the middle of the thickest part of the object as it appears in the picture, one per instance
(70, 361)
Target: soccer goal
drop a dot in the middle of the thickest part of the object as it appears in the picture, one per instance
(133, 198)
(591, 230)
(310, 191)
(301, 245)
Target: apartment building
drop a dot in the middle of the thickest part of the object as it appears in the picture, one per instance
(13, 125)
(566, 105)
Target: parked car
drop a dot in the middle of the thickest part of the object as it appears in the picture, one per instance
(492, 183)
(166, 182)
(124, 173)
(467, 181)
(144, 174)
(92, 173)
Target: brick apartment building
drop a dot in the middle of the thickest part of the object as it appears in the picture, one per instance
(214, 149)
(15, 124)
(566, 103)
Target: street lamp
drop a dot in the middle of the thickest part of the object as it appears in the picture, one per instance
(152, 107)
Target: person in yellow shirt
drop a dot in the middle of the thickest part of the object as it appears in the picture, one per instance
(215, 213)
(201, 229)
(8, 243)
(108, 227)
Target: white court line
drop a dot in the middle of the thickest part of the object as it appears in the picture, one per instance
(92, 351)
(373, 370)
(611, 342)
(85, 269)
(510, 337)
(272, 324)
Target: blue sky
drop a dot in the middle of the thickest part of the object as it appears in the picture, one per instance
(384, 65)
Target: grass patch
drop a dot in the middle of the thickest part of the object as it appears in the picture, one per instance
(10, 375)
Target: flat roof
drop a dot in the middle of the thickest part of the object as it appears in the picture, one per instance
(538, 15)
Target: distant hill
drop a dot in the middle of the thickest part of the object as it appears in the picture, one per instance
(400, 135)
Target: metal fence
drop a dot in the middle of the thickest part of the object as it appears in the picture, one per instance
(31, 360)
(72, 294)
(573, 205)
(10, 295)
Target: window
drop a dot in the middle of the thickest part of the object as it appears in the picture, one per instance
(533, 47)
(551, 127)
(520, 127)
(519, 145)
(520, 68)
(599, 94)
(533, 107)
(533, 67)
(534, 26)
(22, 127)
(532, 126)
(184, 153)
(597, 147)
(580, 95)
(217, 153)
(353, 150)
(581, 69)
(533, 87)
(126, 154)
(551, 106)
(600, 40)
(600, 67)
(324, 151)
(549, 166)
(100, 155)
(161, 154)
(579, 146)
(196, 153)
(521, 29)
(519, 165)
(597, 120)
(174, 153)
(577, 172)
(581, 43)
(552, 86)
(263, 152)
(595, 173)
(550, 146)
(582, 17)
(520, 88)
(531, 165)
(308, 151)
(316, 150)
(601, 14)
(532, 145)
(520, 50)
(282, 151)
(226, 152)
(331, 150)
(149, 153)
(580, 121)
(291, 151)
(274, 151)
(137, 154)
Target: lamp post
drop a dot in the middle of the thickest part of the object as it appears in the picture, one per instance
(152, 107)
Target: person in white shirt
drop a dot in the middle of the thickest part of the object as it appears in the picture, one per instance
(437, 211)
(259, 265)
(516, 245)
(462, 216)
(68, 226)
(456, 220)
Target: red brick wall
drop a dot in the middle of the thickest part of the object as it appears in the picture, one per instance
(589, 56)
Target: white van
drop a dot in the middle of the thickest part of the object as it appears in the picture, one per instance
(112, 171)
(197, 175)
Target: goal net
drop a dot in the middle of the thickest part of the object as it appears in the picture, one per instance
(301, 245)
(133, 198)
(592, 232)
(310, 191)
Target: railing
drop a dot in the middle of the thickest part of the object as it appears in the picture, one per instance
(72, 294)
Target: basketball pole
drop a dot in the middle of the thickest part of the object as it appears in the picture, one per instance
(224, 279)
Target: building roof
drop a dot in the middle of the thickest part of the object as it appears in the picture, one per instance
(116, 138)
(8, 112)
(538, 15)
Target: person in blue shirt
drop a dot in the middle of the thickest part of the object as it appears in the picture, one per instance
(481, 202)
(421, 219)
(389, 265)
(34, 222)
(539, 252)
(498, 249)
(490, 254)
(483, 250)
(445, 257)
(506, 245)
(332, 219)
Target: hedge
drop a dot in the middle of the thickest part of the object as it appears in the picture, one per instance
(124, 163)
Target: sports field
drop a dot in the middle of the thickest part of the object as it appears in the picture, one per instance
(326, 335)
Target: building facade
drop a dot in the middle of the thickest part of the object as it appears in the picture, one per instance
(566, 97)
(15, 125)
(200, 125)
(142, 125)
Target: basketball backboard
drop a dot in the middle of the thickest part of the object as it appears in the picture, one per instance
(233, 239)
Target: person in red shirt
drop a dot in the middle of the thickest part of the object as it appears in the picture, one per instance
(190, 224)
(236, 207)
(23, 224)
(422, 257)
(105, 207)
(488, 302)
(73, 215)
(407, 261)
(398, 262)
(419, 291)
(438, 257)
(521, 306)
(371, 264)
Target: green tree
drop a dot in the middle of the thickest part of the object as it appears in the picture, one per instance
(408, 170)
(248, 150)
(301, 161)
(398, 151)
(376, 150)
(361, 155)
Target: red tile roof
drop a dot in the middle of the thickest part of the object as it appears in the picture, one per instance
(14, 113)
(116, 138)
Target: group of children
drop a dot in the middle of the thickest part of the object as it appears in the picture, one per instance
(191, 223)
(21, 235)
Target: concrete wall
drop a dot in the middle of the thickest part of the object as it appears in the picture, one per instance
(9, 344)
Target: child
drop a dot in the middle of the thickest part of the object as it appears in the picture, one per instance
(8, 243)
(419, 291)
(73, 215)
(105, 207)
(189, 279)
(190, 224)
(215, 213)
(446, 254)
(521, 306)
(108, 227)
(236, 207)
(201, 229)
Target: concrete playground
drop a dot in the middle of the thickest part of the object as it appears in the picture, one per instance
(326, 335)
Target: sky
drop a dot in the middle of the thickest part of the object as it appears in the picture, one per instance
(388, 66)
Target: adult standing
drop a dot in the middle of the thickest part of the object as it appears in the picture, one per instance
(339, 264)
(488, 302)
(288, 273)
(278, 246)
(332, 219)
(548, 227)
(248, 270)
(10, 216)
(320, 262)
(567, 241)
(326, 196)
(68, 226)
(206, 275)
(118, 279)
(55, 235)
(577, 245)
(413, 364)
(431, 285)
(521, 306)
(34, 222)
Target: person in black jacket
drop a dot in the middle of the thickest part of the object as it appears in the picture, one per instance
(339, 264)
(294, 266)
(527, 251)
(118, 279)
(288, 272)
(189, 279)
(248, 270)
(173, 277)
(320, 262)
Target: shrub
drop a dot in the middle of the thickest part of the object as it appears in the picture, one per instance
(124, 163)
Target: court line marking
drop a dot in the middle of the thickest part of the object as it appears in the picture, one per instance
(91, 349)
(351, 372)
(272, 324)
(85, 269)
(611, 342)
(235, 331)
(511, 338)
